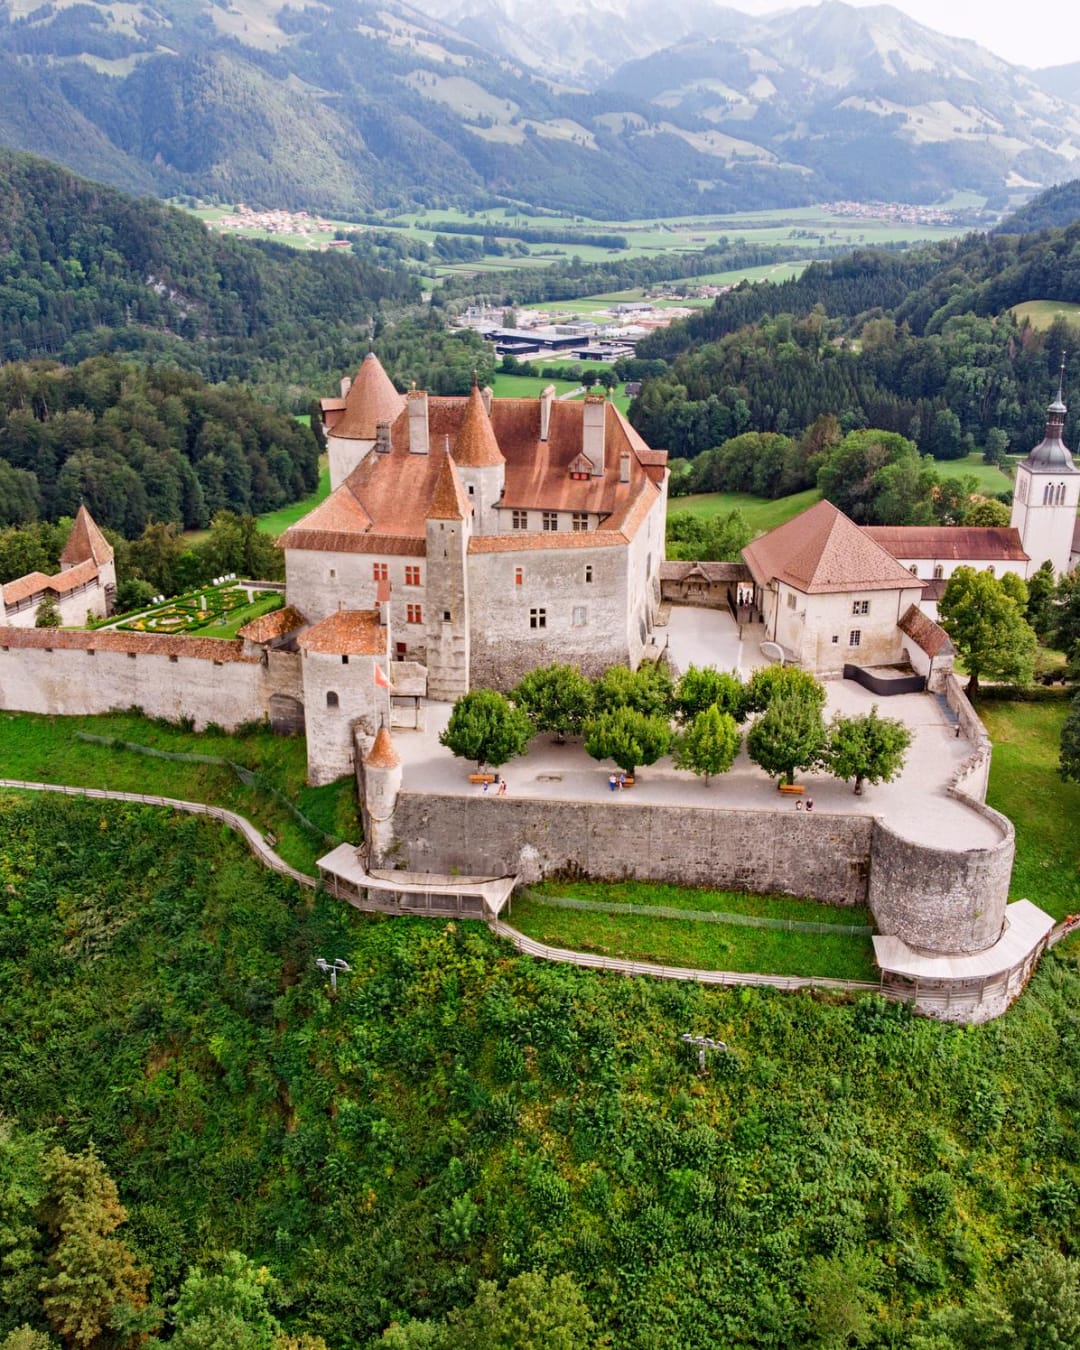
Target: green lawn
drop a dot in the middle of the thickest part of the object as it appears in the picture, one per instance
(1024, 784)
(45, 750)
(1042, 313)
(266, 604)
(698, 944)
(528, 386)
(277, 522)
(990, 478)
(761, 513)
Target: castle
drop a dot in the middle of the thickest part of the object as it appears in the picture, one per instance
(84, 586)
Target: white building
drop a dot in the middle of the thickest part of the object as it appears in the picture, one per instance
(1046, 496)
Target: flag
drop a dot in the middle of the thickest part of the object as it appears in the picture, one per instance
(380, 677)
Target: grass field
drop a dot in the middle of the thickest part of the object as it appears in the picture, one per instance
(1042, 313)
(277, 522)
(45, 750)
(528, 386)
(990, 478)
(761, 513)
(695, 943)
(1025, 785)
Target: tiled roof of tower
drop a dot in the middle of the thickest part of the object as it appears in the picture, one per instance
(382, 754)
(371, 399)
(448, 501)
(347, 632)
(821, 550)
(384, 504)
(476, 446)
(980, 543)
(85, 541)
(61, 583)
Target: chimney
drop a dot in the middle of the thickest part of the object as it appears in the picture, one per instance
(624, 467)
(593, 426)
(485, 394)
(382, 600)
(547, 399)
(418, 422)
(382, 438)
(346, 385)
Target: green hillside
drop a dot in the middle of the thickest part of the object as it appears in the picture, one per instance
(844, 1174)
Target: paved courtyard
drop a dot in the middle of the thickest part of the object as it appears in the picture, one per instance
(916, 805)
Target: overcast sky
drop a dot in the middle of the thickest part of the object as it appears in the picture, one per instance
(1027, 32)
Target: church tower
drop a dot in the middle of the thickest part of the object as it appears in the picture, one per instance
(1047, 492)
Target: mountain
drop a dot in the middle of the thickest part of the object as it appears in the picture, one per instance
(1061, 81)
(1055, 209)
(350, 105)
(881, 105)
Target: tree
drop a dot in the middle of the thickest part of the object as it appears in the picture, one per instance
(485, 727)
(647, 689)
(996, 444)
(94, 1291)
(987, 511)
(839, 1300)
(556, 699)
(790, 735)
(1069, 757)
(870, 749)
(1042, 1294)
(26, 1338)
(227, 1306)
(772, 682)
(1066, 614)
(629, 737)
(1040, 611)
(988, 628)
(702, 687)
(48, 613)
(710, 744)
(530, 1313)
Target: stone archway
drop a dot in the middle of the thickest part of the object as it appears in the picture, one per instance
(286, 715)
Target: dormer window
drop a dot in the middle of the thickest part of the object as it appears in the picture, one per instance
(581, 468)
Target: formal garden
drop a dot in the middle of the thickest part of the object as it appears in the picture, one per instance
(219, 610)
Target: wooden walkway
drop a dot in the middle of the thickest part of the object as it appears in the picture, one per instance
(526, 945)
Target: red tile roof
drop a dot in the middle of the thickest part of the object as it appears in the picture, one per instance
(348, 632)
(382, 754)
(61, 583)
(476, 446)
(85, 541)
(820, 551)
(267, 627)
(952, 543)
(448, 501)
(142, 644)
(925, 633)
(371, 399)
(25, 586)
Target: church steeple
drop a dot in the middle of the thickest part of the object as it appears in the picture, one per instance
(1047, 492)
(1052, 455)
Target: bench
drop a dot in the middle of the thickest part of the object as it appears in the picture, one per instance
(483, 778)
(792, 789)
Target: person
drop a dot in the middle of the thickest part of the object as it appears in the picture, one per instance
(809, 803)
(622, 780)
(798, 803)
(613, 782)
(502, 788)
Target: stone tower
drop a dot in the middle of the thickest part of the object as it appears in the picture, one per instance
(480, 463)
(447, 591)
(352, 421)
(382, 783)
(1046, 494)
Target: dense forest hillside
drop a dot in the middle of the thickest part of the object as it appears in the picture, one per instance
(1053, 209)
(85, 269)
(922, 344)
(139, 444)
(845, 1175)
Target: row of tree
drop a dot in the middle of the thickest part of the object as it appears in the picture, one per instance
(627, 717)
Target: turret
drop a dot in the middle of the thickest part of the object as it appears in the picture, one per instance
(1047, 492)
(352, 421)
(480, 464)
(447, 590)
(382, 783)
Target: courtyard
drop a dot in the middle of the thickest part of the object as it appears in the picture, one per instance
(917, 805)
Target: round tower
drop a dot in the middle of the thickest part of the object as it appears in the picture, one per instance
(480, 463)
(1047, 492)
(382, 783)
(352, 422)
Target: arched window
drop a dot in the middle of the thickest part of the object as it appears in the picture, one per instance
(1061, 494)
(331, 699)
(939, 571)
(1047, 492)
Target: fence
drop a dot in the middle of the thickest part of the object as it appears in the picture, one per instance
(701, 915)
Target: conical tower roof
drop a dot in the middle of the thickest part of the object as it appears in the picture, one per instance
(85, 542)
(371, 399)
(382, 754)
(448, 501)
(1052, 455)
(476, 446)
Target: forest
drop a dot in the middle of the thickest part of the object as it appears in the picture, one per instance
(461, 1131)
(921, 344)
(85, 269)
(142, 443)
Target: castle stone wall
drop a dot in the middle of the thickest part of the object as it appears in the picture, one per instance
(73, 681)
(937, 900)
(821, 856)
